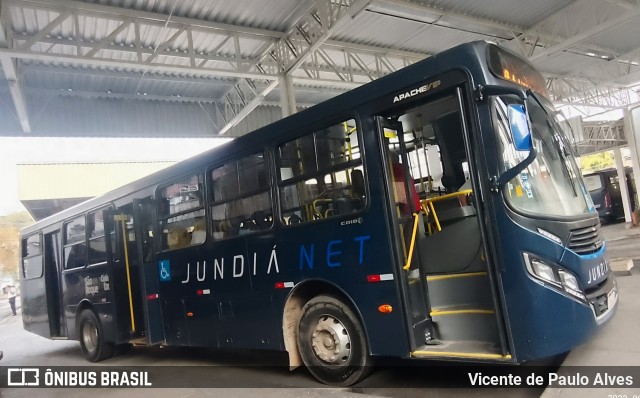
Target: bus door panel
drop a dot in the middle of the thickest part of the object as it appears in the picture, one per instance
(144, 216)
(33, 288)
(405, 204)
(256, 307)
(230, 275)
(53, 269)
(122, 255)
(450, 249)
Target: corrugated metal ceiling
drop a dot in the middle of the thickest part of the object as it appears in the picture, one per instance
(423, 32)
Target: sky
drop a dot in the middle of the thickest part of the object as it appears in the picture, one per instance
(15, 150)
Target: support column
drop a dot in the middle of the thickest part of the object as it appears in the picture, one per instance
(622, 182)
(632, 134)
(287, 95)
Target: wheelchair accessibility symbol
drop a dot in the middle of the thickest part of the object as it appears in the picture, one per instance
(164, 269)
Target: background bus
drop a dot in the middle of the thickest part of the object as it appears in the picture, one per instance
(604, 188)
(309, 235)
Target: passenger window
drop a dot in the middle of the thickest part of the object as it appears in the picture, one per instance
(75, 246)
(321, 175)
(181, 214)
(241, 203)
(31, 246)
(96, 235)
(32, 257)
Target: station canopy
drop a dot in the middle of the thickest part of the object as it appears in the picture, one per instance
(200, 68)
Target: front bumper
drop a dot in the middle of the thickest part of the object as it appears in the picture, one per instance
(603, 299)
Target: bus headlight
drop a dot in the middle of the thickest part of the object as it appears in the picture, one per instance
(554, 275)
(570, 284)
(543, 271)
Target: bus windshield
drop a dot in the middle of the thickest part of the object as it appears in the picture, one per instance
(552, 184)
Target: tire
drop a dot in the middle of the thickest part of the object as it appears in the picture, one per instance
(328, 325)
(91, 337)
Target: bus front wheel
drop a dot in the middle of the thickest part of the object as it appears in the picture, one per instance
(332, 342)
(94, 347)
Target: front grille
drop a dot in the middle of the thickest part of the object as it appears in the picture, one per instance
(585, 240)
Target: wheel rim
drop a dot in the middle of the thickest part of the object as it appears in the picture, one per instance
(90, 336)
(330, 341)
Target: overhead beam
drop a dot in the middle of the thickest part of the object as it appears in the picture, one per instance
(37, 68)
(112, 95)
(3, 18)
(600, 28)
(117, 13)
(292, 50)
(15, 88)
(216, 72)
(248, 108)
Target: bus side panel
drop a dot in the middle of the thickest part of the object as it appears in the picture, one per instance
(221, 294)
(90, 285)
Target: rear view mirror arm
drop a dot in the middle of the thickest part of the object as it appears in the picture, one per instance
(510, 174)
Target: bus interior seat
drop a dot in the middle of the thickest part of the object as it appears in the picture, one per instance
(457, 247)
(177, 238)
(261, 220)
(450, 211)
(235, 223)
(199, 233)
(357, 183)
(295, 219)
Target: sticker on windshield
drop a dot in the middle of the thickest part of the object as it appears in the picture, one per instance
(526, 185)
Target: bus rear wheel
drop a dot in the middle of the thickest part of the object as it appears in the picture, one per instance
(332, 342)
(91, 336)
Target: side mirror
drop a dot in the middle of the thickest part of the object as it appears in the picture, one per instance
(521, 135)
(520, 131)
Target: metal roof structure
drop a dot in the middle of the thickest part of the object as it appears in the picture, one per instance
(206, 68)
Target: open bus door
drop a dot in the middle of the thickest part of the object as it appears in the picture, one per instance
(440, 239)
(131, 255)
(405, 208)
(144, 213)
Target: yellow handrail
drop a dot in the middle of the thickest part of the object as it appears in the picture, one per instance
(315, 206)
(413, 241)
(448, 196)
(123, 218)
(427, 204)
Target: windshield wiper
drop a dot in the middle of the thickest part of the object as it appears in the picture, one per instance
(560, 146)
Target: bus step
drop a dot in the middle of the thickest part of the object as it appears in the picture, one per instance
(465, 323)
(474, 350)
(142, 341)
(471, 288)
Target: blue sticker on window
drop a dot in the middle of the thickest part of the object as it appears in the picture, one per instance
(164, 269)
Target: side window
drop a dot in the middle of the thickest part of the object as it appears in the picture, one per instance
(240, 200)
(321, 174)
(96, 236)
(32, 257)
(75, 246)
(614, 181)
(181, 214)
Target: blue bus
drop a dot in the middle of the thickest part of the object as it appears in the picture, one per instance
(437, 212)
